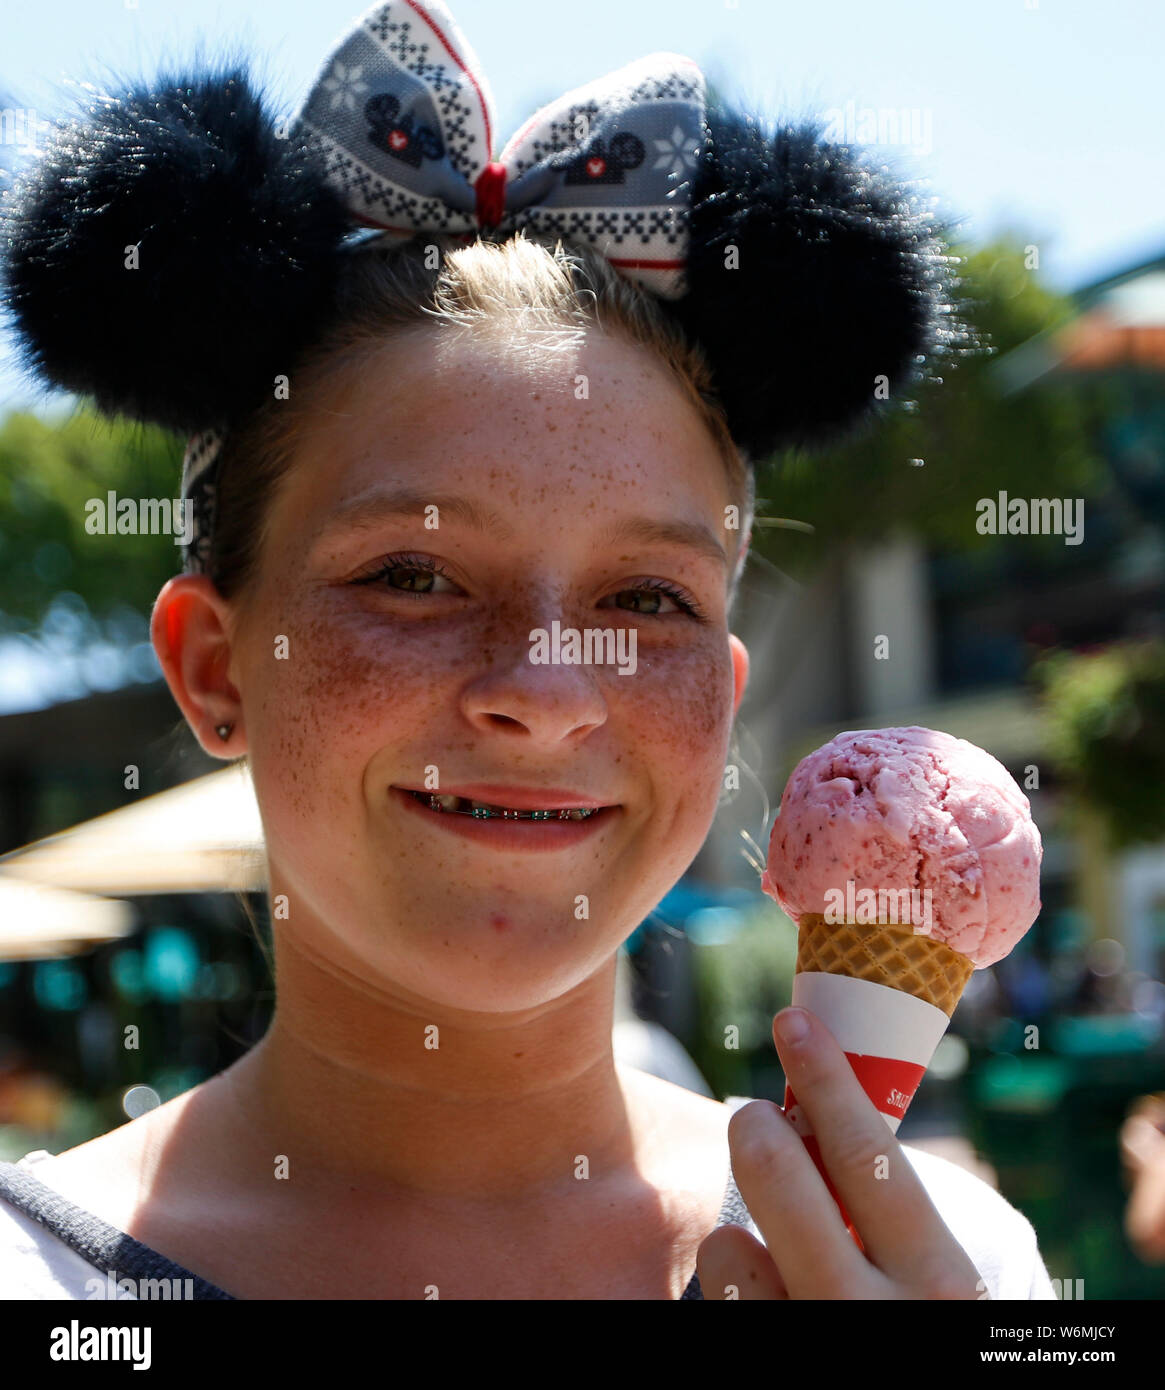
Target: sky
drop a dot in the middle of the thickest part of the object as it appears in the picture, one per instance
(1041, 116)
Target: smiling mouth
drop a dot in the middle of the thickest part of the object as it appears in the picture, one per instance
(484, 810)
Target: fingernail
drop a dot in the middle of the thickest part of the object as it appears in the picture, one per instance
(793, 1026)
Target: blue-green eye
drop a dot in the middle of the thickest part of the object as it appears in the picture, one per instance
(398, 568)
(661, 586)
(399, 575)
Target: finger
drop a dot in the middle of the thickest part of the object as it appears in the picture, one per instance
(1141, 1141)
(799, 1220)
(1152, 1108)
(1145, 1216)
(732, 1263)
(900, 1227)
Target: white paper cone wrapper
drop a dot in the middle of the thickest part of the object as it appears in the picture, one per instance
(888, 1036)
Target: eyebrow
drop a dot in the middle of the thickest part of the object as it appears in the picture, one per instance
(367, 510)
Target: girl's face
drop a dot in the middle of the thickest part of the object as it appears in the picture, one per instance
(545, 487)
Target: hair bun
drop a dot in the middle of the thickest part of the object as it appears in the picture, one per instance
(236, 235)
(840, 277)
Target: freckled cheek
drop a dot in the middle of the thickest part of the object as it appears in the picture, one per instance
(682, 712)
(346, 691)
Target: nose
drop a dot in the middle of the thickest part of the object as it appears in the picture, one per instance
(552, 702)
(550, 699)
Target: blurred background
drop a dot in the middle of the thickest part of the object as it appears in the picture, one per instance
(131, 867)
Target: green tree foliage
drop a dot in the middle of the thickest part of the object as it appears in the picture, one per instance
(973, 440)
(49, 470)
(1106, 729)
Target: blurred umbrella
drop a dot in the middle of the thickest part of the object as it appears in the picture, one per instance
(38, 922)
(203, 836)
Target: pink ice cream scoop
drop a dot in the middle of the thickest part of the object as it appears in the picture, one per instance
(910, 809)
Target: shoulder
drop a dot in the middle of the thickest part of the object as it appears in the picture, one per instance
(108, 1174)
(1000, 1241)
(34, 1263)
(648, 1047)
(676, 1105)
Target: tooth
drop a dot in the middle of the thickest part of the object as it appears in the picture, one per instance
(485, 810)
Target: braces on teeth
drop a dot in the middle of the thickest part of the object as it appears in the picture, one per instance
(481, 812)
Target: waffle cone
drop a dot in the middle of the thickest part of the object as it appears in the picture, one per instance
(885, 954)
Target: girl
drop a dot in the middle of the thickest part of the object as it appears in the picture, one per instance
(528, 407)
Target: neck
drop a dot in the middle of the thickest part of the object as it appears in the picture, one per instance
(360, 1086)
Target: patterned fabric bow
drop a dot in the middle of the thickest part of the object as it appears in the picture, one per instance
(403, 117)
(403, 120)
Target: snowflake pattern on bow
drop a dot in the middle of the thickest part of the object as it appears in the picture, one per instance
(678, 153)
(345, 85)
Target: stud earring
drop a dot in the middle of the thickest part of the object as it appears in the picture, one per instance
(224, 731)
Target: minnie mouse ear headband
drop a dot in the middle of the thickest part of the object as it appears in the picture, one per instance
(171, 254)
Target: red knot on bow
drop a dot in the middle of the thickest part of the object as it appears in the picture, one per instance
(491, 195)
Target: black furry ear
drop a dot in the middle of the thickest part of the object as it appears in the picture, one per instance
(810, 275)
(236, 238)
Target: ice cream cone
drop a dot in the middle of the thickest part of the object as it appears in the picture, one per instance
(886, 954)
(886, 993)
(893, 819)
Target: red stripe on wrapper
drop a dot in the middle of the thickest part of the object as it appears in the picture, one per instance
(810, 1142)
(890, 1084)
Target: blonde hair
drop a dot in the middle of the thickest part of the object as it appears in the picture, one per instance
(550, 294)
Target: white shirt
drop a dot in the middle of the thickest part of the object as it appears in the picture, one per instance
(999, 1240)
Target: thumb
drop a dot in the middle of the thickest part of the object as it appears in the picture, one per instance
(732, 1263)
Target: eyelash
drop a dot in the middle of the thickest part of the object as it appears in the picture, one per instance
(428, 566)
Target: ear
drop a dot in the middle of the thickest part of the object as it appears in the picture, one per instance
(190, 630)
(739, 669)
